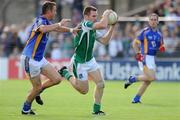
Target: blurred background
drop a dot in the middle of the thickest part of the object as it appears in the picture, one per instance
(16, 17)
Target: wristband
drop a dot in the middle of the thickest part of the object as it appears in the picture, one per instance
(71, 30)
(59, 24)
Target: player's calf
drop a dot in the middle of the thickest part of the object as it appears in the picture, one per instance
(100, 85)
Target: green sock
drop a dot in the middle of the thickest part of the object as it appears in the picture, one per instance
(67, 75)
(96, 107)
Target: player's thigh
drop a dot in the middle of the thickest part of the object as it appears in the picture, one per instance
(97, 77)
(83, 85)
(150, 73)
(149, 67)
(80, 72)
(51, 73)
(81, 78)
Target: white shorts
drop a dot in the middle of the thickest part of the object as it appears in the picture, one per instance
(32, 67)
(81, 70)
(149, 62)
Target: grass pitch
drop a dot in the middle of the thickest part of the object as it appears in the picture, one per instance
(160, 102)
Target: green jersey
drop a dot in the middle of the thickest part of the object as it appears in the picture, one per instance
(84, 42)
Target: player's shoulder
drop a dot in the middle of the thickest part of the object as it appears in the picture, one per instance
(42, 20)
(87, 23)
(146, 29)
(142, 31)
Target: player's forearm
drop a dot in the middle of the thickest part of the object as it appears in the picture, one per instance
(104, 21)
(64, 29)
(136, 47)
(49, 28)
(102, 24)
(105, 40)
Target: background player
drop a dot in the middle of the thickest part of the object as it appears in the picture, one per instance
(147, 43)
(32, 55)
(83, 62)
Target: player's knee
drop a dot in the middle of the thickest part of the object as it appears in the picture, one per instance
(37, 88)
(84, 91)
(100, 85)
(57, 80)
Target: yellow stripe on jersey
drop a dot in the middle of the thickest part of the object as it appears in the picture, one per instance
(137, 41)
(145, 45)
(31, 36)
(37, 44)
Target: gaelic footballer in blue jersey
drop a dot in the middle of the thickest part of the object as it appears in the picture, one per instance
(33, 59)
(146, 45)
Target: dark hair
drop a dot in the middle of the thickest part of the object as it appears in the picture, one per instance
(88, 9)
(48, 5)
(154, 14)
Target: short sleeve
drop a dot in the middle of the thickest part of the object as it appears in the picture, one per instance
(99, 35)
(87, 25)
(38, 23)
(140, 36)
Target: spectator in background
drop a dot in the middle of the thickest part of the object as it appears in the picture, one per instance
(101, 52)
(1, 50)
(115, 48)
(168, 41)
(15, 53)
(55, 52)
(1, 27)
(12, 41)
(23, 33)
(76, 17)
(68, 47)
(77, 9)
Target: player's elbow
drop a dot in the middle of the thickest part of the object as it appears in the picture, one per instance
(42, 29)
(101, 26)
(103, 42)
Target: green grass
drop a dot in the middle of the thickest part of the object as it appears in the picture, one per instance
(160, 102)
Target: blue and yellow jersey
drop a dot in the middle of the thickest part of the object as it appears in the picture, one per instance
(150, 41)
(37, 40)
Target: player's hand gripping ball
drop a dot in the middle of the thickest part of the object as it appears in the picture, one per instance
(112, 18)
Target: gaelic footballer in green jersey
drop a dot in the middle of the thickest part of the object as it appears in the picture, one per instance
(83, 64)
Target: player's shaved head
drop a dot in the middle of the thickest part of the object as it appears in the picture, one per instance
(152, 15)
(88, 9)
(48, 5)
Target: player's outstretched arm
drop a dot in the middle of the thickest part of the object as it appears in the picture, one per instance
(48, 28)
(103, 23)
(106, 38)
(54, 27)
